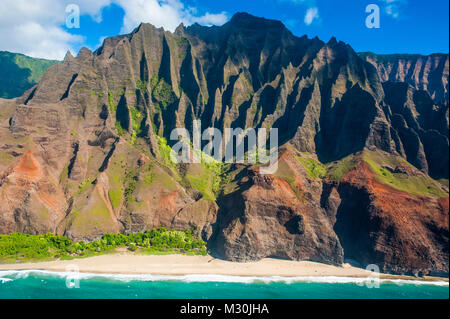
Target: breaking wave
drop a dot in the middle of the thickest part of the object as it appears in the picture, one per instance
(10, 275)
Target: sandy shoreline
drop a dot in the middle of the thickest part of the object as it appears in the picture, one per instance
(179, 265)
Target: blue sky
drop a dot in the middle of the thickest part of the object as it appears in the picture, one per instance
(406, 26)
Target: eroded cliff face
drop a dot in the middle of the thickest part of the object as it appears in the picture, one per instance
(31, 203)
(368, 209)
(428, 73)
(84, 152)
(276, 216)
(420, 128)
(397, 231)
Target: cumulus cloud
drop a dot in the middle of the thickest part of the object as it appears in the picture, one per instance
(311, 14)
(91, 7)
(166, 13)
(211, 19)
(35, 27)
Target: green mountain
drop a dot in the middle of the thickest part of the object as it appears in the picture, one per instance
(19, 73)
(87, 151)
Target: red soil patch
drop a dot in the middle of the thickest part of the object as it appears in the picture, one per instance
(28, 165)
(168, 201)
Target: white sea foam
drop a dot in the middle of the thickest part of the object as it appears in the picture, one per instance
(3, 280)
(20, 274)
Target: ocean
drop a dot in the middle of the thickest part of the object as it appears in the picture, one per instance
(49, 285)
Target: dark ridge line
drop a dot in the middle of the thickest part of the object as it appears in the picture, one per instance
(30, 96)
(108, 157)
(66, 94)
(76, 147)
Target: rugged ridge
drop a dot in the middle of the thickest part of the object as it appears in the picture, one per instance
(423, 72)
(96, 129)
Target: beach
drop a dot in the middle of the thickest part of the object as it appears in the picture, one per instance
(180, 265)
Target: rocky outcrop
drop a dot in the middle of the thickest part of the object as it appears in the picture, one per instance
(277, 216)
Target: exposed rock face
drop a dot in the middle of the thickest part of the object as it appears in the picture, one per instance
(290, 215)
(375, 224)
(31, 202)
(420, 128)
(92, 132)
(267, 217)
(429, 73)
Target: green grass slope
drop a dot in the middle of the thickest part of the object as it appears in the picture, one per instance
(19, 73)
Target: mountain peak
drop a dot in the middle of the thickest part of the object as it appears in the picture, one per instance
(68, 56)
(332, 41)
(84, 53)
(245, 19)
(243, 16)
(180, 29)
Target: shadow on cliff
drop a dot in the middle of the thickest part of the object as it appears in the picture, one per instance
(354, 224)
(231, 206)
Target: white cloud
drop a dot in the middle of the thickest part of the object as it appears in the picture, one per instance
(35, 27)
(91, 7)
(211, 19)
(137, 11)
(164, 13)
(35, 40)
(392, 7)
(392, 11)
(311, 14)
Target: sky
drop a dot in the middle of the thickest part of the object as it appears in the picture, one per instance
(39, 28)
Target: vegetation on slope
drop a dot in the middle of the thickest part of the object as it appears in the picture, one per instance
(388, 171)
(161, 91)
(19, 247)
(19, 73)
(285, 172)
(208, 177)
(337, 170)
(314, 168)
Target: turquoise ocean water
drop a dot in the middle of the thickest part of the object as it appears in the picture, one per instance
(40, 284)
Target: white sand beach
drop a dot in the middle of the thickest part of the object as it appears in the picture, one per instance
(178, 265)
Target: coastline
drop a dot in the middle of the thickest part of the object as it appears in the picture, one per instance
(182, 265)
